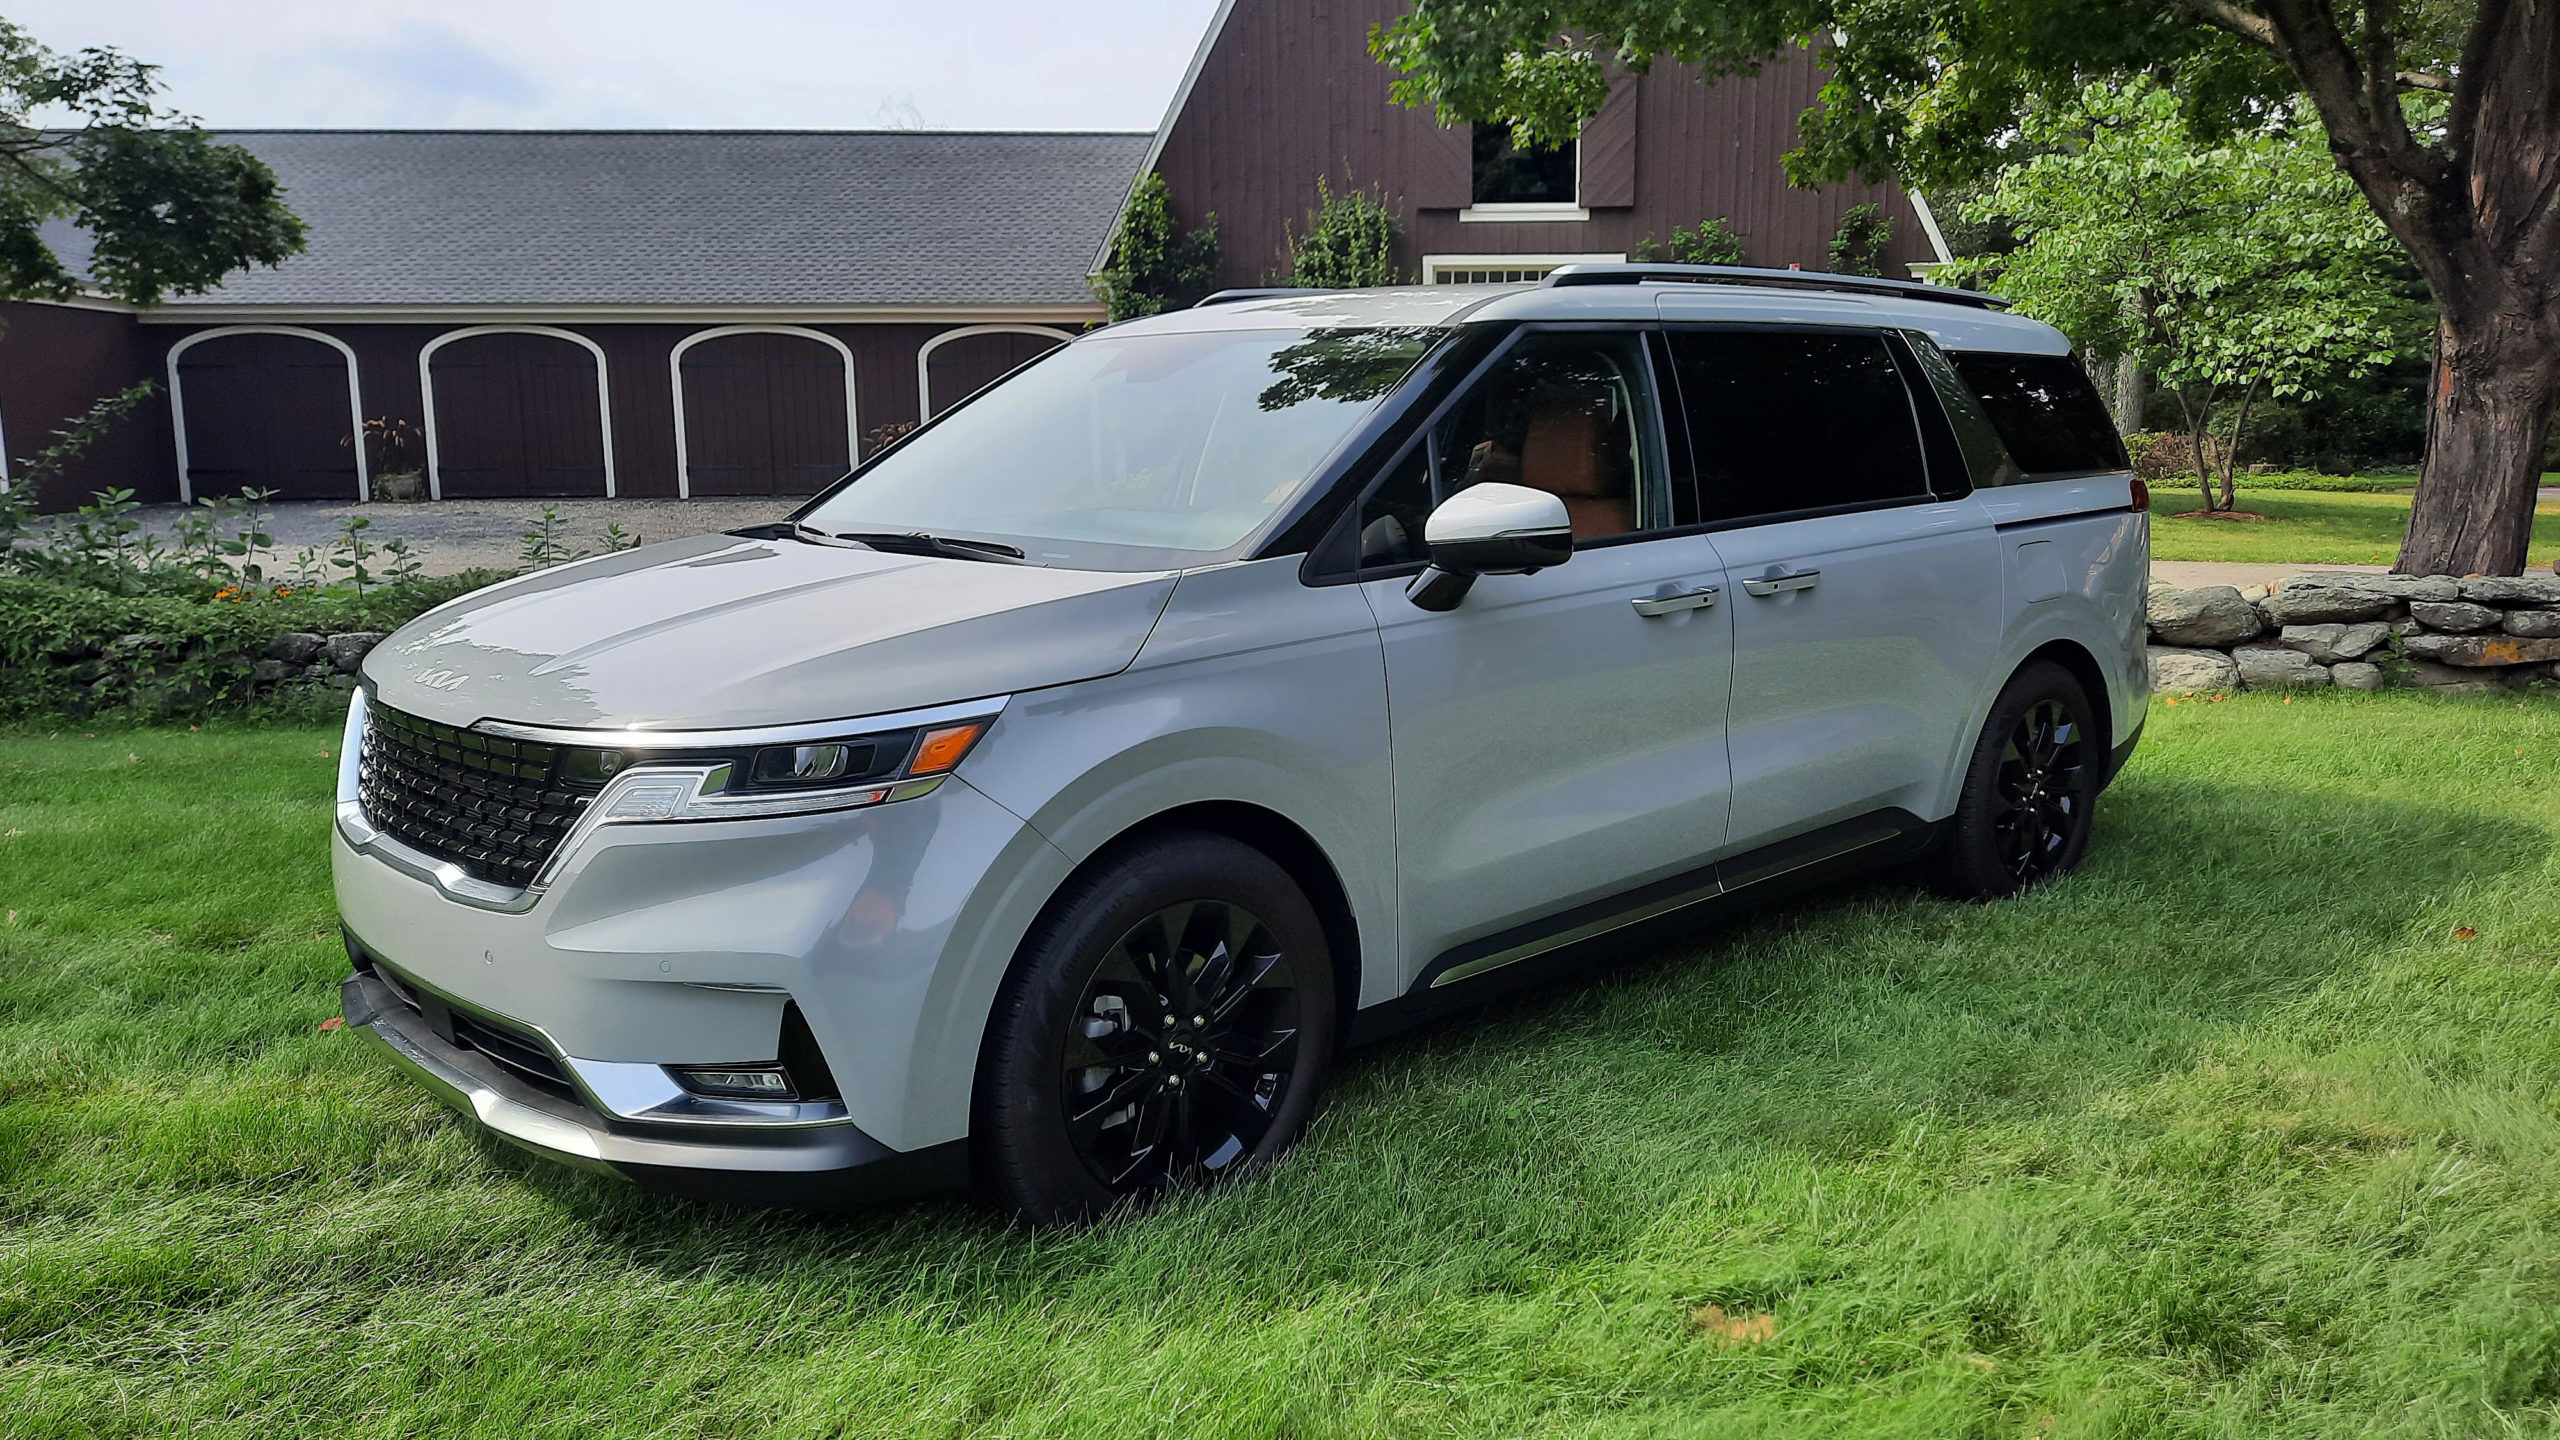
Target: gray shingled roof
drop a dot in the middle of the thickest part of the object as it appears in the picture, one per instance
(710, 218)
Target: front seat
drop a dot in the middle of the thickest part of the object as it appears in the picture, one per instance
(1562, 455)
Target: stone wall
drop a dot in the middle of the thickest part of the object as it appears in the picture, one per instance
(2357, 632)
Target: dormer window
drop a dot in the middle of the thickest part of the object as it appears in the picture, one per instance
(1515, 182)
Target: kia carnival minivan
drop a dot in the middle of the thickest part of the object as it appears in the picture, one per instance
(1049, 802)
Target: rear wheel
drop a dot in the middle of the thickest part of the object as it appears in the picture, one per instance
(2030, 792)
(1170, 1022)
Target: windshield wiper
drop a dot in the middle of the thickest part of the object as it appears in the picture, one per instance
(917, 542)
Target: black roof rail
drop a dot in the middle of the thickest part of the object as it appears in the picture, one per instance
(1266, 292)
(1637, 274)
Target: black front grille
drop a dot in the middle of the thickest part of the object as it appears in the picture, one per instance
(497, 808)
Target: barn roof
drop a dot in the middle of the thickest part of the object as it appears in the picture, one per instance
(658, 218)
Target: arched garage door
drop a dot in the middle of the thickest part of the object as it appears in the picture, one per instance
(267, 411)
(765, 413)
(960, 365)
(515, 413)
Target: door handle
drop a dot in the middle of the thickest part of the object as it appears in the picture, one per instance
(1698, 599)
(1779, 584)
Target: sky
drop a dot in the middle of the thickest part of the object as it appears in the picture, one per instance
(783, 64)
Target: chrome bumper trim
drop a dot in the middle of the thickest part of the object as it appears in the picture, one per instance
(642, 738)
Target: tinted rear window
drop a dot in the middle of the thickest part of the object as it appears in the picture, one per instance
(2046, 410)
(1782, 421)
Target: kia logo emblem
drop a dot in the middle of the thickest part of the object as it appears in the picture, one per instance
(442, 679)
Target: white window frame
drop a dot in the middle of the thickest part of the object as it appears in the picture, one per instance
(427, 392)
(355, 398)
(675, 383)
(1433, 265)
(924, 355)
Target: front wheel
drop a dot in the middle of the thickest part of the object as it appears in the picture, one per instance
(2030, 793)
(1169, 1022)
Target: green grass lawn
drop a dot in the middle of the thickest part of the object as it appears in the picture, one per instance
(2308, 528)
(2253, 1128)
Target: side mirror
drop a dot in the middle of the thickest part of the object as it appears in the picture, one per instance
(1489, 529)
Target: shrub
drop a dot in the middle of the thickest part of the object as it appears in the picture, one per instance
(1858, 246)
(1155, 265)
(1709, 242)
(75, 650)
(1350, 242)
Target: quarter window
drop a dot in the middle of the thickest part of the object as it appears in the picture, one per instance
(2045, 410)
(1784, 421)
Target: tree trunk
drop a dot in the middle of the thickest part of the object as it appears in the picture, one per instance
(2489, 412)
(2128, 394)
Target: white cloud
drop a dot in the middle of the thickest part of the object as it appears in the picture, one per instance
(963, 64)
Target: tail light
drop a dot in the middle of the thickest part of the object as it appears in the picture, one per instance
(2141, 494)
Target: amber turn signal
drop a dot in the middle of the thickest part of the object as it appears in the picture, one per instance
(942, 749)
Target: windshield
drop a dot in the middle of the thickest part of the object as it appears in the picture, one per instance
(1132, 451)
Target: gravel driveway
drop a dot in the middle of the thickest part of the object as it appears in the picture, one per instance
(451, 535)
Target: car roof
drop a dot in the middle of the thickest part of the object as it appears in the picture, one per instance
(1968, 323)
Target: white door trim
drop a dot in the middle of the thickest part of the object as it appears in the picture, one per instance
(355, 399)
(675, 383)
(924, 355)
(427, 392)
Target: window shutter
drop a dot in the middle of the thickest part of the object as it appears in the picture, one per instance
(1444, 165)
(1609, 149)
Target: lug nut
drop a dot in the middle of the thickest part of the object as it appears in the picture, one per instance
(1155, 1057)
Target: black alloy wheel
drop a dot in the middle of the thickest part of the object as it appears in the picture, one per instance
(2030, 791)
(1168, 1021)
(2039, 792)
(1185, 1039)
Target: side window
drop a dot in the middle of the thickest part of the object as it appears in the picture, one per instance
(2045, 409)
(1570, 414)
(1783, 421)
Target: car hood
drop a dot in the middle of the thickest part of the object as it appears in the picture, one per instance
(719, 630)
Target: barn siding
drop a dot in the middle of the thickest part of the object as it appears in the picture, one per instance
(58, 360)
(1289, 93)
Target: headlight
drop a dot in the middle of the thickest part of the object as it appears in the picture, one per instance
(794, 779)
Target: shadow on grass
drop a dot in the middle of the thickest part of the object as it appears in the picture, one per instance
(1492, 1149)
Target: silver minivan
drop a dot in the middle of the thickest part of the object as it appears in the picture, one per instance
(1049, 802)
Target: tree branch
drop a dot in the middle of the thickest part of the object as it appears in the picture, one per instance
(2230, 19)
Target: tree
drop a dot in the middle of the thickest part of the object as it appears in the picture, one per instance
(166, 210)
(2445, 114)
(2229, 269)
(1155, 264)
(1350, 242)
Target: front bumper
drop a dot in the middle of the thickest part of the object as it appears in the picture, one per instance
(816, 1165)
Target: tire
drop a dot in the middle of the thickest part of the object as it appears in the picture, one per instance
(2030, 791)
(1092, 1090)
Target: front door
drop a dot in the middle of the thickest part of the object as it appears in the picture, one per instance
(1866, 608)
(1558, 738)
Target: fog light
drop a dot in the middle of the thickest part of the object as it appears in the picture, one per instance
(737, 1082)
